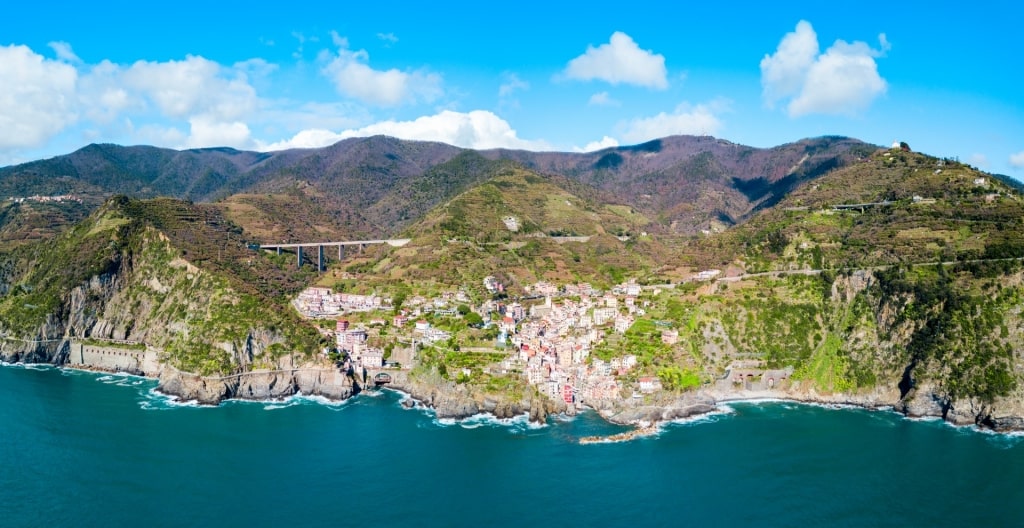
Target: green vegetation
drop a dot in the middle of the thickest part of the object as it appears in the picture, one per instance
(677, 379)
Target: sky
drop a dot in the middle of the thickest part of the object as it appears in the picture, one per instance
(567, 76)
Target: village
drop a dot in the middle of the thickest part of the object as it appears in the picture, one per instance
(546, 337)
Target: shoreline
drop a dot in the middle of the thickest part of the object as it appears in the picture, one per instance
(641, 428)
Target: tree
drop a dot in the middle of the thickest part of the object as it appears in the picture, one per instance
(397, 300)
(473, 319)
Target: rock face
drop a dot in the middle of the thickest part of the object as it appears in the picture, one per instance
(666, 408)
(257, 385)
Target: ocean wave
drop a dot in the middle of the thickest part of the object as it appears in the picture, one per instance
(154, 400)
(708, 417)
(36, 366)
(519, 423)
(316, 399)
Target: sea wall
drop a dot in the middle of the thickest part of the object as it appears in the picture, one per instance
(114, 358)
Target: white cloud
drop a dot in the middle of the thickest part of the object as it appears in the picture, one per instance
(511, 85)
(207, 132)
(602, 99)
(353, 77)
(215, 100)
(686, 119)
(842, 81)
(64, 52)
(1017, 160)
(979, 160)
(103, 95)
(38, 97)
(388, 37)
(478, 129)
(783, 74)
(602, 143)
(182, 89)
(620, 61)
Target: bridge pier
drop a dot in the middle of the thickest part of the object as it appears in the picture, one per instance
(362, 247)
(320, 258)
(341, 252)
(298, 251)
(279, 250)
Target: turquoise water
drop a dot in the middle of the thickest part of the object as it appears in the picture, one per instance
(88, 450)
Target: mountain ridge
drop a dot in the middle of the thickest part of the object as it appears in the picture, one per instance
(685, 184)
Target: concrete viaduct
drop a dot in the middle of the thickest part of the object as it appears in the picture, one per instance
(361, 244)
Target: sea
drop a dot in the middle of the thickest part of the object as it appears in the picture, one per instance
(88, 449)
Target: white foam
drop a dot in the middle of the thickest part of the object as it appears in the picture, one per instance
(154, 400)
(708, 417)
(517, 423)
(317, 399)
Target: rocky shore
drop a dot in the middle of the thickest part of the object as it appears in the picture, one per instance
(257, 385)
(925, 401)
(450, 400)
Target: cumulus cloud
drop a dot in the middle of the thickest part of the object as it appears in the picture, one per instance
(208, 132)
(602, 99)
(186, 103)
(844, 80)
(38, 97)
(353, 77)
(388, 37)
(603, 143)
(685, 119)
(478, 129)
(1017, 160)
(783, 73)
(620, 61)
(192, 86)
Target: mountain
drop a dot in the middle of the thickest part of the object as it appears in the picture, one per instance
(527, 227)
(691, 183)
(378, 186)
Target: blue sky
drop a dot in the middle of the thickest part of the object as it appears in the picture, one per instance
(534, 75)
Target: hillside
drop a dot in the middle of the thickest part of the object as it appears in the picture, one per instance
(526, 227)
(921, 209)
(380, 185)
(688, 183)
(166, 273)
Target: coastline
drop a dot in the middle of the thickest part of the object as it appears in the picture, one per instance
(646, 419)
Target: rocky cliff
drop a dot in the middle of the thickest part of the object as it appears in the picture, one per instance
(258, 385)
(116, 279)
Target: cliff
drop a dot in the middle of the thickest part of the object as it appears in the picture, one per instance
(258, 385)
(118, 281)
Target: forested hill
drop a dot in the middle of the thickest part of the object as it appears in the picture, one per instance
(380, 185)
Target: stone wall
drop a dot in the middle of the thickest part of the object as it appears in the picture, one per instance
(113, 358)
